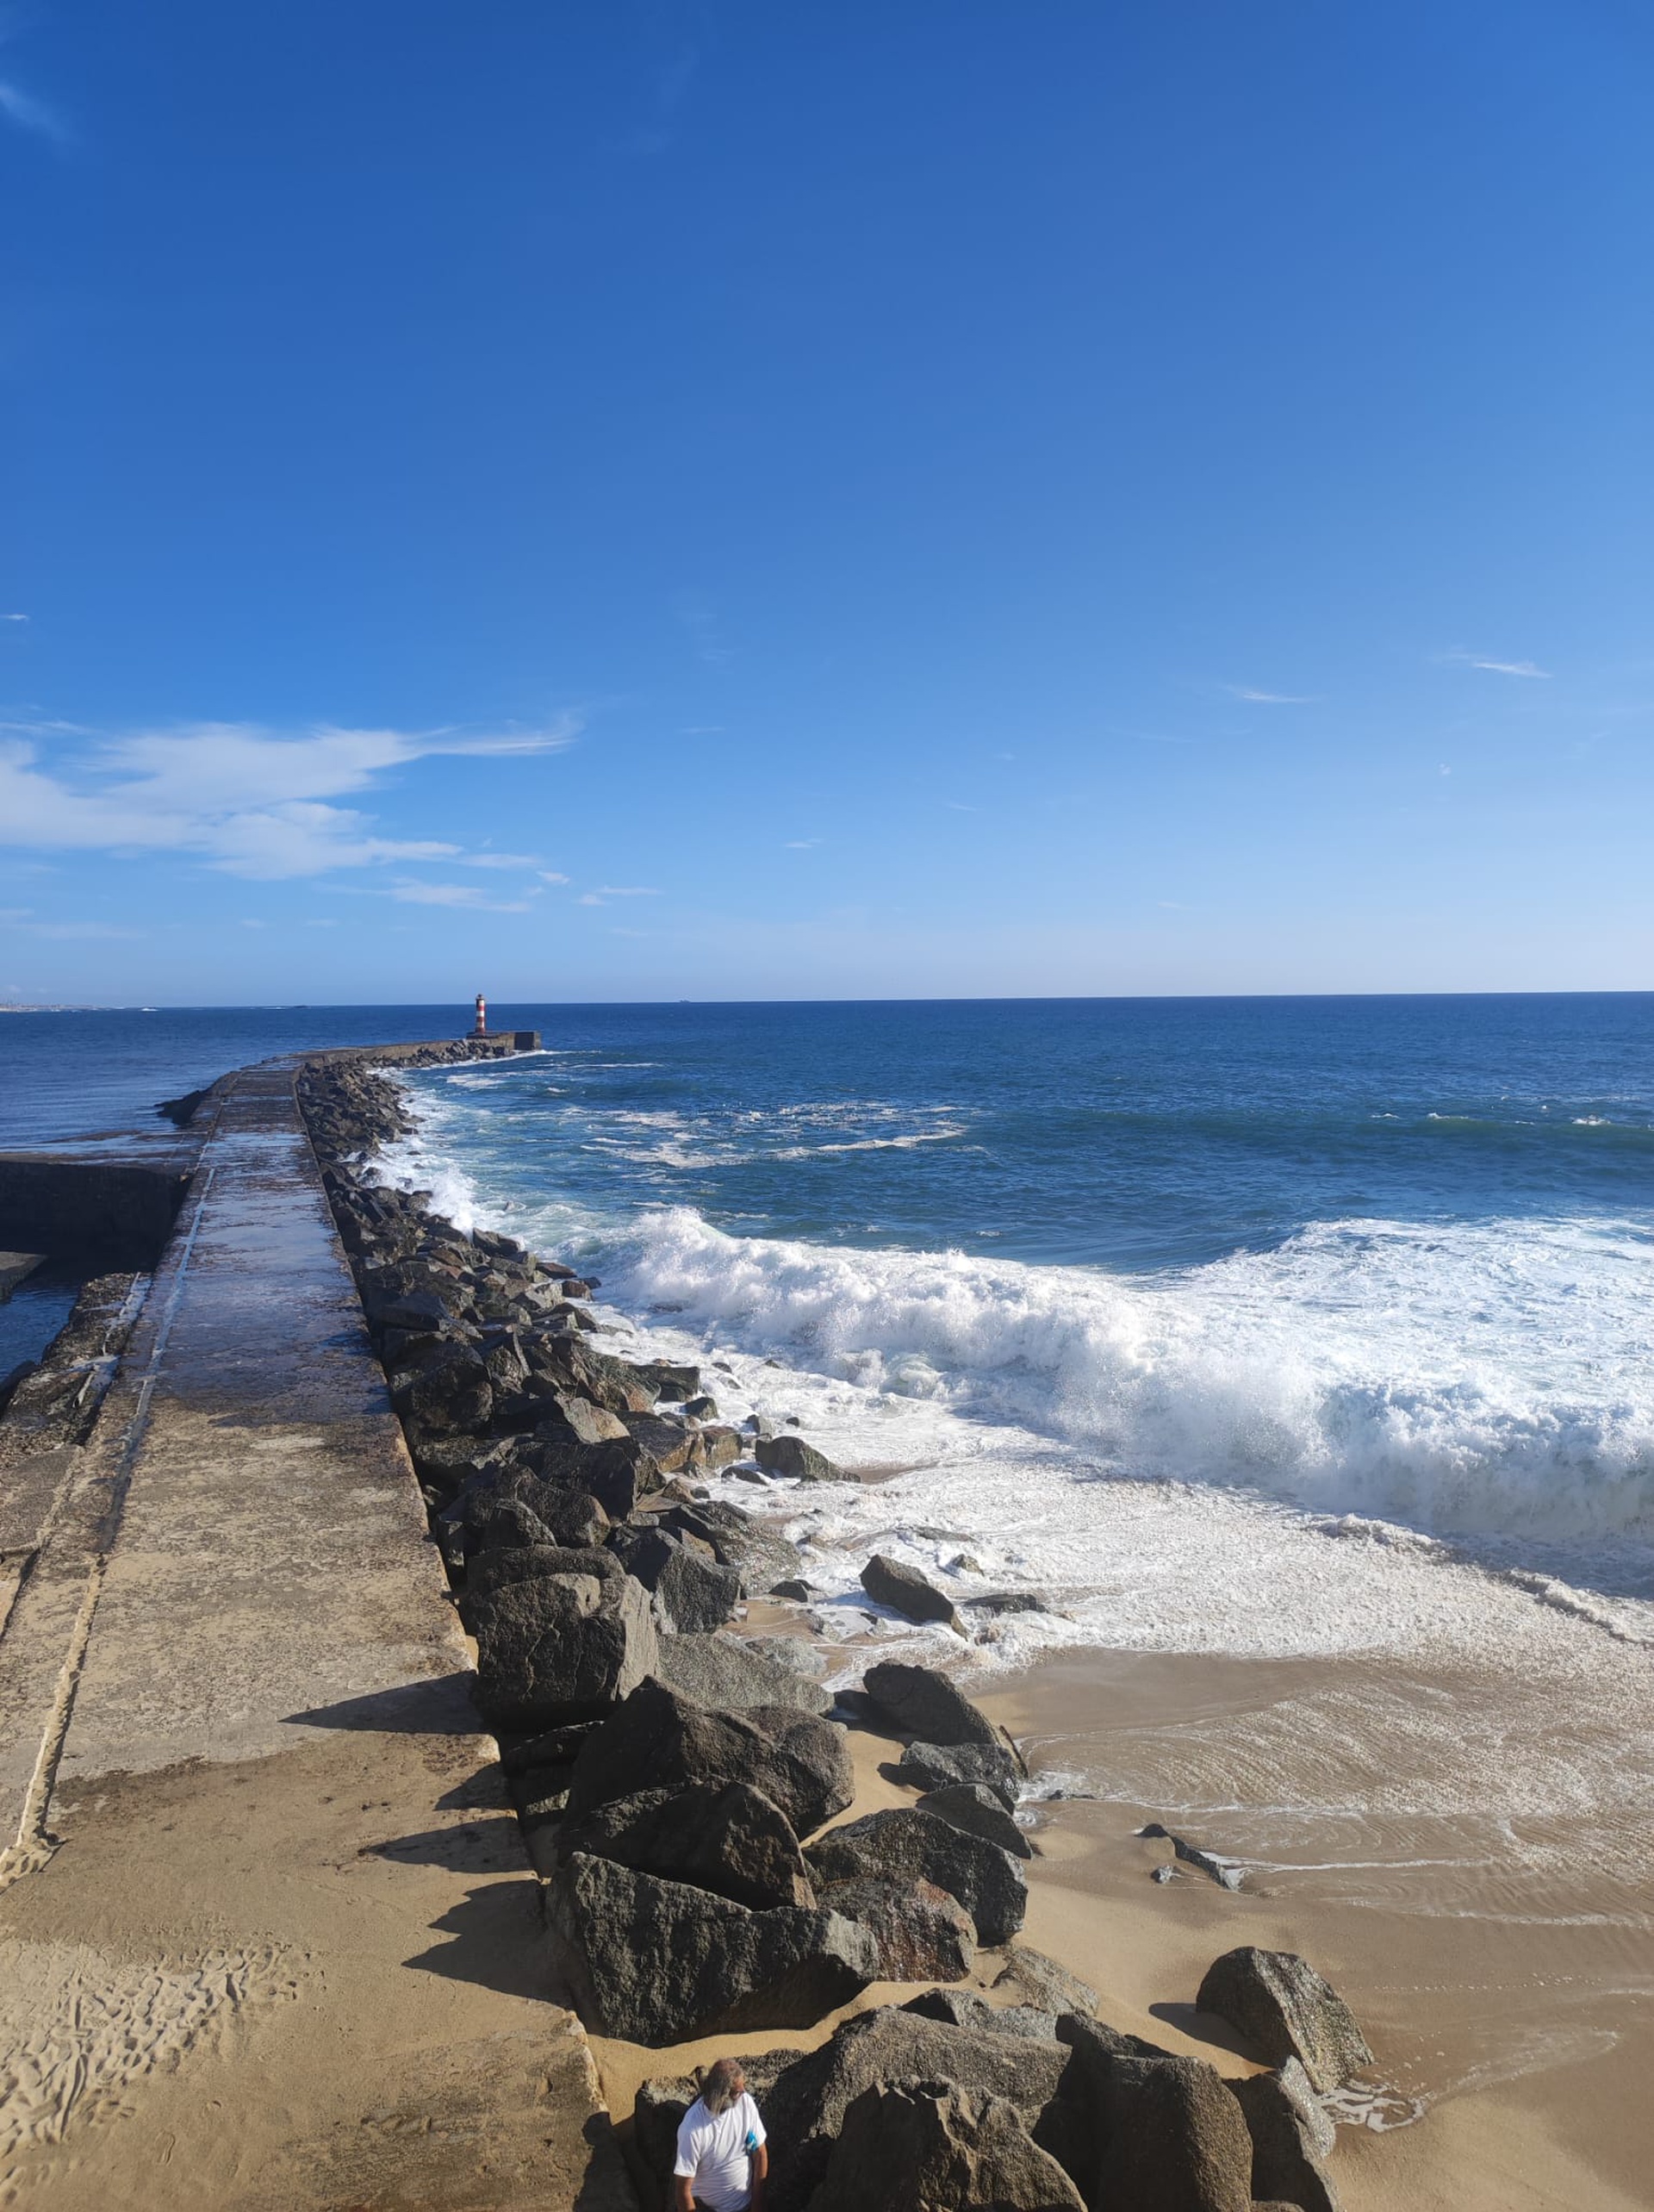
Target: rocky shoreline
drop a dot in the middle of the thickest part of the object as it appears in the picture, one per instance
(683, 1790)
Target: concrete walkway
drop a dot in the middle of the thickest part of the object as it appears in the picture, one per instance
(267, 1934)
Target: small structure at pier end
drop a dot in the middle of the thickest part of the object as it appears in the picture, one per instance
(482, 1027)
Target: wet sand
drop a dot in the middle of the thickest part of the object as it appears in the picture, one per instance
(1503, 1963)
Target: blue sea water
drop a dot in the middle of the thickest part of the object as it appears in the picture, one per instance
(1386, 1261)
(1380, 1257)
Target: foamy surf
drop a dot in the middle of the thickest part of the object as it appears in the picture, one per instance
(1163, 1456)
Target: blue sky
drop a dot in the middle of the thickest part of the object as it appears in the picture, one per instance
(722, 501)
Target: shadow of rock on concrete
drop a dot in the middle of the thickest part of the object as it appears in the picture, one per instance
(494, 1845)
(437, 1705)
(497, 1939)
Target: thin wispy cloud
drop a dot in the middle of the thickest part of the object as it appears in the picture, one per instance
(14, 618)
(244, 799)
(697, 617)
(410, 892)
(801, 844)
(550, 876)
(604, 891)
(516, 860)
(958, 806)
(1256, 698)
(28, 114)
(1491, 667)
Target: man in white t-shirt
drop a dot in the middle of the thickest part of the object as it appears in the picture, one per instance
(722, 2160)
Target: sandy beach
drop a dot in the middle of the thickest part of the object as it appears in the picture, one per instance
(1508, 2007)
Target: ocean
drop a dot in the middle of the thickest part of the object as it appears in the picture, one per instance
(1362, 1265)
(1271, 1267)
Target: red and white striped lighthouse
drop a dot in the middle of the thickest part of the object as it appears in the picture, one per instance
(482, 1029)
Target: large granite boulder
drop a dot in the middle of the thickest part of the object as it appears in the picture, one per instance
(740, 1540)
(904, 1843)
(694, 1595)
(975, 1807)
(891, 1582)
(925, 1705)
(1293, 2136)
(723, 1837)
(805, 2108)
(969, 2008)
(923, 1933)
(560, 1646)
(1038, 1980)
(660, 1739)
(657, 1962)
(616, 1473)
(938, 1766)
(718, 1670)
(929, 2146)
(1173, 2139)
(788, 1454)
(448, 1391)
(1279, 2003)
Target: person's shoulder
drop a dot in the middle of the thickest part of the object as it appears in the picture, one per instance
(696, 2117)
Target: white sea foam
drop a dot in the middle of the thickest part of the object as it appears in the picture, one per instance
(1166, 1456)
(1462, 1380)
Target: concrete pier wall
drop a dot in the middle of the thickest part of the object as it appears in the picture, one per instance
(268, 1932)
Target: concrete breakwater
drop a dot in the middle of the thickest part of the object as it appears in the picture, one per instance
(261, 1858)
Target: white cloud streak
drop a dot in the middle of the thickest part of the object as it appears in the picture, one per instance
(31, 114)
(1271, 698)
(411, 893)
(604, 891)
(247, 800)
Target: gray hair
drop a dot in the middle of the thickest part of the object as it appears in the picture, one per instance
(721, 2084)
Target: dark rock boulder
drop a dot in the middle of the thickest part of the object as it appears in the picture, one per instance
(804, 2109)
(658, 1962)
(562, 1417)
(1279, 2003)
(695, 1595)
(714, 1448)
(925, 1705)
(1173, 2139)
(715, 1670)
(906, 1591)
(722, 1836)
(1293, 2136)
(449, 1391)
(923, 1934)
(740, 1540)
(660, 1739)
(928, 2146)
(791, 1456)
(668, 1442)
(966, 2008)
(560, 1647)
(1040, 1981)
(907, 1844)
(974, 1807)
(615, 1473)
(504, 1564)
(938, 1766)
